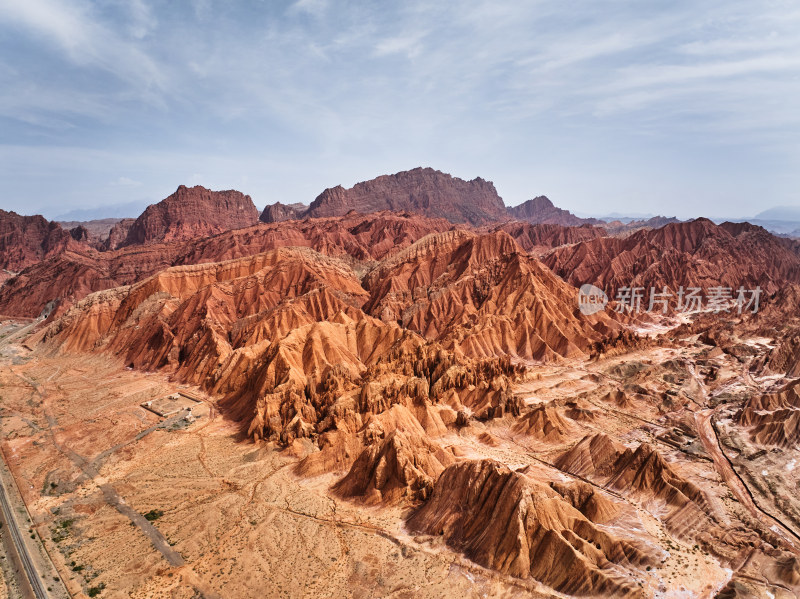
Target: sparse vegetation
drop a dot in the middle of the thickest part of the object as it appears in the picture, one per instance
(153, 515)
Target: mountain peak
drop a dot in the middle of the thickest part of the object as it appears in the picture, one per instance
(192, 212)
(423, 190)
(540, 210)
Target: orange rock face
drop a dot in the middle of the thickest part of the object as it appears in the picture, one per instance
(403, 465)
(507, 521)
(642, 472)
(277, 212)
(774, 418)
(397, 358)
(482, 296)
(538, 239)
(283, 337)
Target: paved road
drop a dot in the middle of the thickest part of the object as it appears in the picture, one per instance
(34, 580)
(22, 549)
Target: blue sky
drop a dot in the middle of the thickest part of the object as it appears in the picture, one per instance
(679, 107)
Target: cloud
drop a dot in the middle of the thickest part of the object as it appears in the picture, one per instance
(143, 22)
(409, 45)
(126, 182)
(315, 8)
(72, 27)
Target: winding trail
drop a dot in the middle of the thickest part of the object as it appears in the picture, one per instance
(724, 467)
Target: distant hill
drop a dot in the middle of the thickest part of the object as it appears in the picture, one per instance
(781, 213)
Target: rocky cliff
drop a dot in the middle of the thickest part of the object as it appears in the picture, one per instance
(277, 212)
(26, 240)
(191, 212)
(422, 190)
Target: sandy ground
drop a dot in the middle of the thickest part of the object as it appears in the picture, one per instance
(4, 578)
(242, 523)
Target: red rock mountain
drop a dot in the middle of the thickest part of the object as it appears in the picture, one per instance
(540, 210)
(26, 240)
(481, 295)
(517, 525)
(192, 212)
(774, 418)
(70, 275)
(390, 352)
(277, 212)
(421, 190)
(696, 253)
(96, 231)
(282, 338)
(255, 328)
(540, 239)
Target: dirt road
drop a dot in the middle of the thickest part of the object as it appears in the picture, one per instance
(710, 440)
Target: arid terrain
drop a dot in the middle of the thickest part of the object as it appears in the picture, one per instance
(399, 401)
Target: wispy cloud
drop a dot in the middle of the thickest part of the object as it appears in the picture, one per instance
(126, 182)
(409, 45)
(74, 29)
(315, 8)
(143, 21)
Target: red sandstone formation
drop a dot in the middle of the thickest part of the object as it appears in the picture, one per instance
(190, 213)
(774, 418)
(364, 238)
(26, 240)
(69, 276)
(480, 295)
(421, 190)
(622, 229)
(282, 337)
(697, 253)
(509, 522)
(540, 239)
(545, 423)
(118, 234)
(390, 351)
(540, 210)
(642, 473)
(277, 212)
(97, 231)
(403, 465)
